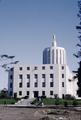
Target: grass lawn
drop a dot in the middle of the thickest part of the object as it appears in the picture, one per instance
(52, 101)
(7, 101)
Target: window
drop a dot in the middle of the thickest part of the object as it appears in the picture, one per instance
(51, 75)
(20, 76)
(28, 68)
(36, 94)
(51, 67)
(43, 93)
(15, 94)
(62, 67)
(62, 75)
(20, 68)
(10, 85)
(10, 93)
(43, 67)
(63, 96)
(27, 93)
(43, 84)
(51, 92)
(62, 84)
(12, 69)
(28, 84)
(56, 56)
(35, 76)
(11, 77)
(20, 92)
(51, 84)
(20, 84)
(43, 75)
(69, 80)
(53, 56)
(35, 84)
(28, 76)
(60, 58)
(35, 68)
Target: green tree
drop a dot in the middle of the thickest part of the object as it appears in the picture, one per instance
(7, 61)
(78, 54)
(4, 93)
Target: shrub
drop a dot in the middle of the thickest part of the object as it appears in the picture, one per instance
(56, 96)
(65, 104)
(43, 97)
(69, 97)
(57, 102)
(5, 102)
(75, 103)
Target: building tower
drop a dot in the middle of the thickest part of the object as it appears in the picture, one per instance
(54, 54)
(46, 56)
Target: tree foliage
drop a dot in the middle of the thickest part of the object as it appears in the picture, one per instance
(4, 93)
(7, 61)
(78, 54)
(79, 80)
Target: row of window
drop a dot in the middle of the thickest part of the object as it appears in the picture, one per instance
(36, 84)
(36, 76)
(43, 93)
(36, 68)
(28, 93)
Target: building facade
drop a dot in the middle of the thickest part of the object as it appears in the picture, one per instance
(51, 78)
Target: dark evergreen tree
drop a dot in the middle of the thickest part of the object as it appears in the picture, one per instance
(79, 80)
(78, 55)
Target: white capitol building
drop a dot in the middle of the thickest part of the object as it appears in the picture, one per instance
(51, 78)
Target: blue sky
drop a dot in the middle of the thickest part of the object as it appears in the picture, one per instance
(27, 26)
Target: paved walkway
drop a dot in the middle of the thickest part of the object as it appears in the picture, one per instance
(24, 102)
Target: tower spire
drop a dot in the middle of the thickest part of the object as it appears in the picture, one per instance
(54, 41)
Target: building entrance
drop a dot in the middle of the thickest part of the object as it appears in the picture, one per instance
(36, 94)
